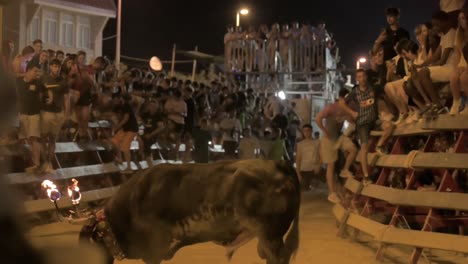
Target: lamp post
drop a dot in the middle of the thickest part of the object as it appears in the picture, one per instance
(244, 12)
(117, 44)
(360, 61)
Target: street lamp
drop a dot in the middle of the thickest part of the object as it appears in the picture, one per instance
(244, 12)
(360, 61)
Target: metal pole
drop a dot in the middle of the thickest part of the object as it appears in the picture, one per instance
(173, 60)
(194, 68)
(119, 28)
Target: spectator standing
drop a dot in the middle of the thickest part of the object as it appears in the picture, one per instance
(365, 98)
(175, 109)
(153, 122)
(201, 141)
(332, 141)
(55, 111)
(391, 34)
(125, 131)
(308, 159)
(29, 100)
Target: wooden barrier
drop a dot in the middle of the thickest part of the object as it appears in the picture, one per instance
(392, 235)
(441, 208)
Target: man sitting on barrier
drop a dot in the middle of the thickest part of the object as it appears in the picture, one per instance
(333, 140)
(441, 66)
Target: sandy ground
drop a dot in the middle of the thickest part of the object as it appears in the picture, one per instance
(319, 243)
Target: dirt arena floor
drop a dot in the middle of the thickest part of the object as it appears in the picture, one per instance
(319, 243)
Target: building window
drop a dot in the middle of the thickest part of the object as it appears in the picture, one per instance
(84, 32)
(85, 37)
(68, 31)
(35, 29)
(50, 27)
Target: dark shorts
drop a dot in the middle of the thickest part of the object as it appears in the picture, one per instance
(85, 98)
(176, 127)
(363, 132)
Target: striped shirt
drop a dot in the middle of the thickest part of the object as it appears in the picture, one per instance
(367, 105)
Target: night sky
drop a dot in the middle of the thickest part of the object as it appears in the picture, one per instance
(150, 27)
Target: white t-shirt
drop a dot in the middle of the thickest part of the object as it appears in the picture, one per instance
(309, 150)
(448, 41)
(451, 5)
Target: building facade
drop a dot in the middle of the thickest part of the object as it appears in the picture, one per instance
(67, 25)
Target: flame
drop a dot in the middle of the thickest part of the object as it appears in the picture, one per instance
(74, 192)
(52, 191)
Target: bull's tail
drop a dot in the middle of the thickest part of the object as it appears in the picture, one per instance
(291, 244)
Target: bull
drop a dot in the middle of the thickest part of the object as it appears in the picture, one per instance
(167, 207)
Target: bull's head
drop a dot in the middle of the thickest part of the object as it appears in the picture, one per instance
(97, 231)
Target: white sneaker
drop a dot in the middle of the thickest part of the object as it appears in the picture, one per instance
(346, 174)
(333, 197)
(412, 118)
(400, 119)
(455, 107)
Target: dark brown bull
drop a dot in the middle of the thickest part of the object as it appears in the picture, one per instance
(167, 207)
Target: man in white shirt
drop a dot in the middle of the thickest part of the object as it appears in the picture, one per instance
(308, 159)
(442, 64)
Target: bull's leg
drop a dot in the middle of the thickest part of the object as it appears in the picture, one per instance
(271, 250)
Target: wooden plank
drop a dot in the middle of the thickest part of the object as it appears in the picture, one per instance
(72, 147)
(408, 130)
(76, 172)
(90, 196)
(100, 124)
(441, 160)
(447, 122)
(440, 200)
(424, 160)
(389, 161)
(392, 235)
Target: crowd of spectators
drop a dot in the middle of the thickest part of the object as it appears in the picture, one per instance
(57, 91)
(407, 81)
(287, 47)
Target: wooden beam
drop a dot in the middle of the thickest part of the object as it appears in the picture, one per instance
(408, 130)
(440, 200)
(447, 122)
(46, 205)
(72, 147)
(392, 235)
(76, 172)
(423, 161)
